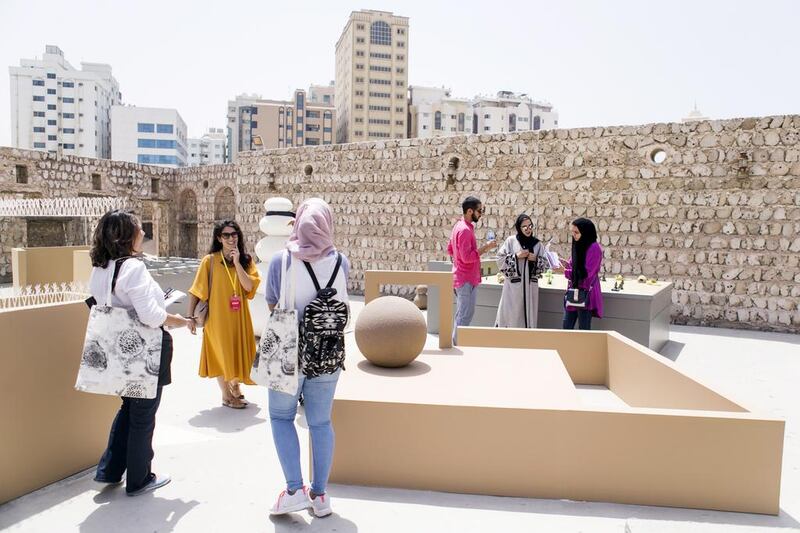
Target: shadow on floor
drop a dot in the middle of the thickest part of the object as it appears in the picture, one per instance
(306, 521)
(672, 349)
(227, 420)
(562, 507)
(150, 512)
(414, 368)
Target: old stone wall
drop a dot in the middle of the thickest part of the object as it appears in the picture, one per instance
(712, 206)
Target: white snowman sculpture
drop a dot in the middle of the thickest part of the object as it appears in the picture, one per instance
(276, 224)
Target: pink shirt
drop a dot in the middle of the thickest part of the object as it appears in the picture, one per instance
(463, 248)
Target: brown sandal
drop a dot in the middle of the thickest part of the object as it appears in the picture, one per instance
(234, 389)
(234, 403)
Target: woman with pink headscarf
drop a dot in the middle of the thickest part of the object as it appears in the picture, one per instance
(311, 242)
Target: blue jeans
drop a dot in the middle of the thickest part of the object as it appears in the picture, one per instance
(465, 306)
(318, 401)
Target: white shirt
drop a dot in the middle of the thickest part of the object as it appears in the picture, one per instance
(304, 290)
(135, 289)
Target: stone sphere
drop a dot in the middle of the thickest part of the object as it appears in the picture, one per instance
(276, 224)
(390, 331)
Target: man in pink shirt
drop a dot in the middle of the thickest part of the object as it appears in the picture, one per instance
(466, 256)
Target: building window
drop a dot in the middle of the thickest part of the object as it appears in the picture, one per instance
(358, 133)
(512, 122)
(146, 143)
(51, 91)
(461, 122)
(359, 66)
(380, 108)
(51, 107)
(380, 121)
(38, 98)
(69, 130)
(327, 115)
(143, 127)
(400, 83)
(299, 133)
(380, 82)
(398, 122)
(327, 130)
(38, 83)
(51, 122)
(68, 100)
(359, 80)
(378, 55)
(359, 26)
(379, 134)
(360, 40)
(300, 102)
(437, 120)
(155, 185)
(69, 146)
(400, 70)
(21, 171)
(38, 113)
(401, 57)
(38, 129)
(68, 84)
(96, 182)
(401, 44)
(359, 53)
(424, 126)
(165, 128)
(379, 95)
(380, 33)
(68, 115)
(537, 122)
(487, 116)
(486, 128)
(38, 145)
(51, 75)
(400, 96)
(359, 106)
(312, 142)
(359, 120)
(312, 114)
(147, 159)
(312, 127)
(52, 138)
(361, 93)
(379, 68)
(253, 124)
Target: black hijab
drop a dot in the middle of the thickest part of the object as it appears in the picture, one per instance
(588, 237)
(527, 243)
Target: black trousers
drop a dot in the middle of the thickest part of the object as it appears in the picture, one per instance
(582, 316)
(130, 442)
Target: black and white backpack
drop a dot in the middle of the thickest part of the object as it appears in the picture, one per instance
(321, 342)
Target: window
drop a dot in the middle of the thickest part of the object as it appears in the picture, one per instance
(68, 100)
(359, 80)
(380, 82)
(461, 122)
(537, 122)
(97, 183)
(360, 40)
(379, 68)
(487, 116)
(424, 127)
(68, 115)
(312, 127)
(398, 122)
(359, 120)
(143, 127)
(38, 113)
(51, 122)
(312, 114)
(52, 138)
(359, 26)
(401, 44)
(51, 91)
(155, 185)
(380, 95)
(380, 33)
(379, 134)
(327, 130)
(147, 159)
(328, 115)
(253, 124)
(69, 130)
(359, 66)
(401, 31)
(299, 118)
(379, 108)
(312, 142)
(51, 107)
(51, 75)
(22, 170)
(378, 55)
(486, 128)
(300, 103)
(38, 83)
(359, 106)
(361, 93)
(165, 128)
(400, 83)
(400, 96)
(401, 57)
(38, 145)
(68, 84)
(359, 53)
(146, 143)
(400, 70)
(399, 109)
(38, 98)
(380, 121)
(512, 122)
(358, 133)
(163, 143)
(437, 120)
(38, 129)
(69, 146)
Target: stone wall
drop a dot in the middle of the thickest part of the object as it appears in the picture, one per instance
(719, 215)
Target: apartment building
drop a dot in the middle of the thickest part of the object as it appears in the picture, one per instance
(60, 109)
(208, 149)
(148, 135)
(372, 77)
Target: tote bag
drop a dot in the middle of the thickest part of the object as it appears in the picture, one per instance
(276, 363)
(121, 355)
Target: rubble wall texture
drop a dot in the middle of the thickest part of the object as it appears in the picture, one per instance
(719, 216)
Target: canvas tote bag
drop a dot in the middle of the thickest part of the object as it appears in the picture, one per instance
(121, 355)
(276, 362)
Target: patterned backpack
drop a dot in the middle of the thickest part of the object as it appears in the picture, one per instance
(321, 342)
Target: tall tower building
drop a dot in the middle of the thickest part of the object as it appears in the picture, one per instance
(60, 109)
(372, 77)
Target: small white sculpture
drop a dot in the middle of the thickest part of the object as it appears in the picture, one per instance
(276, 225)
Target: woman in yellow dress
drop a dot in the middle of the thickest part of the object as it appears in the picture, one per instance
(229, 345)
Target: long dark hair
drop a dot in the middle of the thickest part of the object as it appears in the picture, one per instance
(216, 246)
(588, 237)
(113, 237)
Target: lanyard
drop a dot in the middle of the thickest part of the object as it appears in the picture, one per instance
(230, 278)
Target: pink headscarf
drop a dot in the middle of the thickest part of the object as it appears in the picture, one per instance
(312, 234)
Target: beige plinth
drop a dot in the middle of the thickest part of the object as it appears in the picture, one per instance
(499, 415)
(48, 430)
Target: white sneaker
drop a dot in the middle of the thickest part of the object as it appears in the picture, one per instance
(289, 503)
(321, 505)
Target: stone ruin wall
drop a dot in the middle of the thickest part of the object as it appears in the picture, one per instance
(720, 216)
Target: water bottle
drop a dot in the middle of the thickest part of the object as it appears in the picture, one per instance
(490, 235)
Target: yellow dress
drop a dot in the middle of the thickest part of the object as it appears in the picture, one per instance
(229, 345)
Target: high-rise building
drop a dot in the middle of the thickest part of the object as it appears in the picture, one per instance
(60, 109)
(433, 113)
(509, 112)
(148, 135)
(322, 94)
(372, 77)
(256, 123)
(208, 149)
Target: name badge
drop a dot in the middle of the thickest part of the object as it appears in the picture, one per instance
(236, 303)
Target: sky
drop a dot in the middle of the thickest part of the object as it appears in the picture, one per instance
(598, 62)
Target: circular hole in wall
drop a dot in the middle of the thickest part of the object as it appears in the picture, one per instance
(453, 163)
(205, 184)
(308, 170)
(658, 156)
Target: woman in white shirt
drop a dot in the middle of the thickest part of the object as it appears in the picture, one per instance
(116, 238)
(311, 242)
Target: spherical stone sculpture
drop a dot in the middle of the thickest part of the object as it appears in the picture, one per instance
(390, 331)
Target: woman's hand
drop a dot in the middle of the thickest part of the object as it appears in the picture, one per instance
(235, 256)
(192, 325)
(522, 254)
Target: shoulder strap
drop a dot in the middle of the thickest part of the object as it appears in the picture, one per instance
(117, 268)
(313, 277)
(335, 270)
